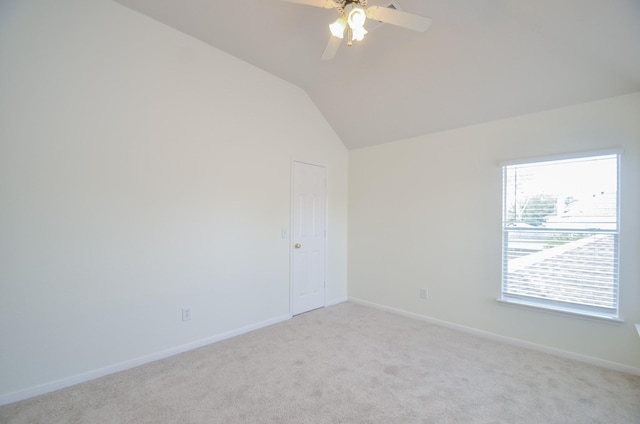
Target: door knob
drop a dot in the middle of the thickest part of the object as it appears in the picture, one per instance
(297, 246)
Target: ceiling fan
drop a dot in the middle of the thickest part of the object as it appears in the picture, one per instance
(353, 16)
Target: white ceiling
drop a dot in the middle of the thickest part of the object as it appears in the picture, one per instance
(481, 60)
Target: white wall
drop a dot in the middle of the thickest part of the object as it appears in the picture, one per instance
(426, 212)
(141, 171)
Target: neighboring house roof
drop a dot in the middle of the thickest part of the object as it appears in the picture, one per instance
(583, 269)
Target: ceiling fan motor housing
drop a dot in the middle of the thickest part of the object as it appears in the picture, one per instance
(342, 4)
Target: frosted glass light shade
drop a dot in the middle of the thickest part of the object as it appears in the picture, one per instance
(356, 18)
(337, 28)
(358, 33)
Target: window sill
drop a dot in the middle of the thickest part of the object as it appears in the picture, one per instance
(564, 311)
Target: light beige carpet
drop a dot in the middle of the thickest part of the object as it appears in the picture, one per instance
(347, 364)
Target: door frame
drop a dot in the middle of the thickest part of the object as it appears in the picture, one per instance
(326, 228)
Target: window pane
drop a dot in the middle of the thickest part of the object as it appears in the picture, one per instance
(576, 268)
(560, 233)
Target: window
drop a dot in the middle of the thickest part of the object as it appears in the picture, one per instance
(560, 234)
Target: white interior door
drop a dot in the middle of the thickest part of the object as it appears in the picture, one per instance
(308, 237)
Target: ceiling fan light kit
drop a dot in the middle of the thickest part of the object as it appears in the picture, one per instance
(354, 20)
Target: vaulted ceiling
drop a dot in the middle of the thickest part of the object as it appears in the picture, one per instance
(480, 60)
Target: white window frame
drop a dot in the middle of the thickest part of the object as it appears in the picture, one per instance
(507, 293)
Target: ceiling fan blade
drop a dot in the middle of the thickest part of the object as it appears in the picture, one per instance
(327, 4)
(332, 48)
(399, 18)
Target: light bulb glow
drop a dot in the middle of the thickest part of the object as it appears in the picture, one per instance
(356, 18)
(337, 28)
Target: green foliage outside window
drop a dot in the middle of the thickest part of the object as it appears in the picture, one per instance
(533, 210)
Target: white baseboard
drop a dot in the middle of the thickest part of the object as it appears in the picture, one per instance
(504, 339)
(122, 366)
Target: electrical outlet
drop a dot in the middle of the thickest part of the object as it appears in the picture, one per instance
(186, 314)
(424, 293)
